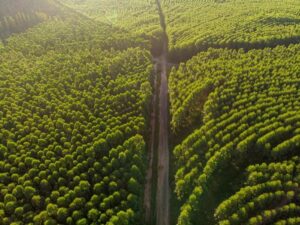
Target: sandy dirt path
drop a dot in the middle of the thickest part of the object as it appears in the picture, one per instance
(163, 189)
(149, 173)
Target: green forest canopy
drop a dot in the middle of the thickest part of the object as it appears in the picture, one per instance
(76, 81)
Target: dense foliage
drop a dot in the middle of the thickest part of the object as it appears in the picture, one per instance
(18, 15)
(194, 26)
(250, 110)
(138, 17)
(73, 102)
(74, 106)
(270, 196)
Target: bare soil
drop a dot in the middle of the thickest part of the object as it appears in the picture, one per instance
(163, 188)
(149, 173)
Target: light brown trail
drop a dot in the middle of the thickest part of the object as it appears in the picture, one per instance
(149, 173)
(163, 189)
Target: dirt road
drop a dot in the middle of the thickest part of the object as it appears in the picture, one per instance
(149, 173)
(163, 189)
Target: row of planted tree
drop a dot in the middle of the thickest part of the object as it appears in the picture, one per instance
(72, 124)
(250, 114)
